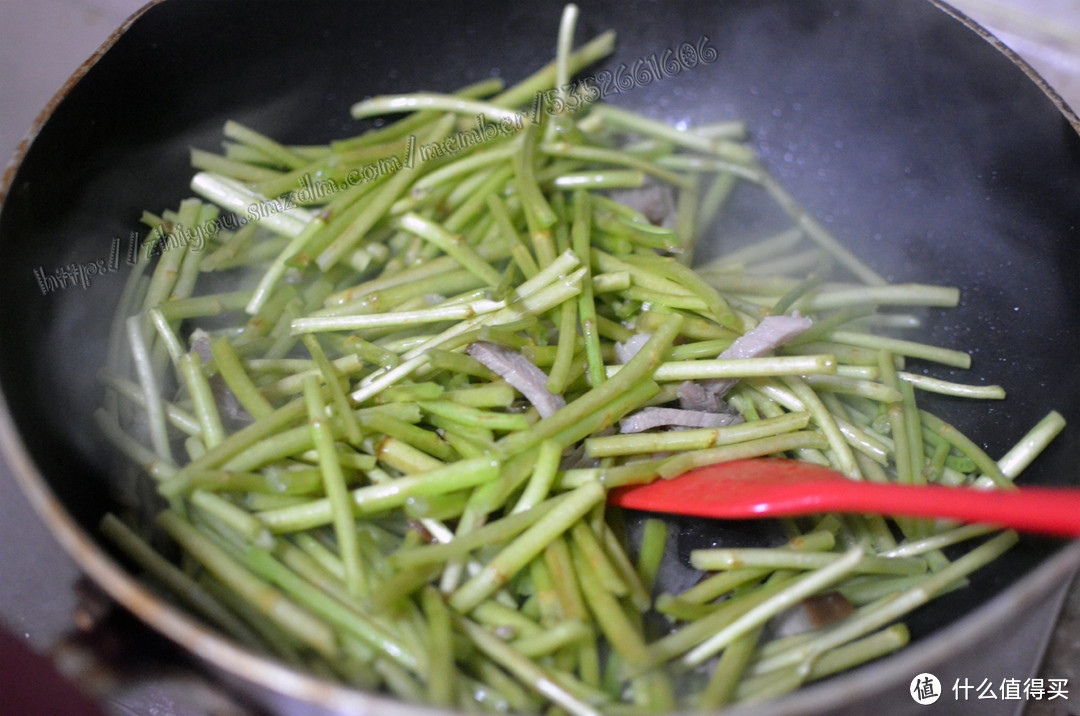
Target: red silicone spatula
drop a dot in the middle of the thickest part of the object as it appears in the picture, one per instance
(775, 487)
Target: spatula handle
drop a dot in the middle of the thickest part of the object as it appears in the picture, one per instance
(776, 487)
(1045, 511)
(1041, 510)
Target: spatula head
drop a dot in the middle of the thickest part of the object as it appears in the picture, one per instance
(735, 489)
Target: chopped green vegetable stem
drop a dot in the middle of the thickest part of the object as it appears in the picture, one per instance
(358, 488)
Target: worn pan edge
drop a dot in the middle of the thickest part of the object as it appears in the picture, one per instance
(16, 158)
(1016, 59)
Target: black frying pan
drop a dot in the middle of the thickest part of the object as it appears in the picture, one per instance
(928, 151)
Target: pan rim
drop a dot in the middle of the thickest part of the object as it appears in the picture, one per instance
(1033, 74)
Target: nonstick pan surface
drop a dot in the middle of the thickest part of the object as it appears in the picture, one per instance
(930, 153)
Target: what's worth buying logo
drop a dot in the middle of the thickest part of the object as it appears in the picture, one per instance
(925, 689)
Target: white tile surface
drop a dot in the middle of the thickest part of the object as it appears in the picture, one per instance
(1046, 33)
(41, 44)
